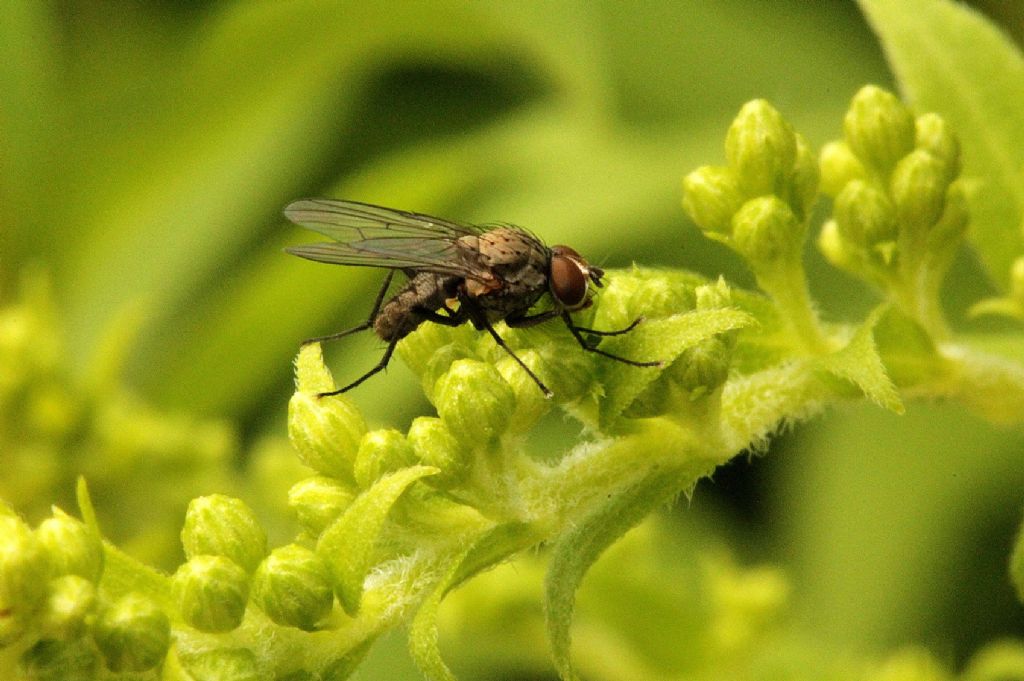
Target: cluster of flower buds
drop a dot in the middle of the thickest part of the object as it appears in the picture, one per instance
(900, 213)
(758, 203)
(54, 613)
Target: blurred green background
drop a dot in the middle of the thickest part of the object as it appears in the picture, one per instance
(149, 147)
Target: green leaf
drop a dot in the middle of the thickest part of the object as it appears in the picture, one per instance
(860, 363)
(951, 60)
(580, 548)
(490, 549)
(906, 349)
(660, 339)
(348, 544)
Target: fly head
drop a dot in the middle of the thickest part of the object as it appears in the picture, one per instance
(570, 277)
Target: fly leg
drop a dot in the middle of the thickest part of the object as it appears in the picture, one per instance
(381, 365)
(481, 322)
(576, 332)
(362, 327)
(428, 315)
(594, 332)
(526, 321)
(534, 319)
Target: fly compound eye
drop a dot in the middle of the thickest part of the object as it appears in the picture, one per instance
(568, 281)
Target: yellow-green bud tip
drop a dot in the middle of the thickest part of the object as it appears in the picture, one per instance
(292, 586)
(932, 134)
(211, 592)
(879, 129)
(711, 197)
(761, 149)
(839, 165)
(219, 525)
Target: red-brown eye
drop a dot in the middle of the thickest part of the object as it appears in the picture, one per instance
(568, 281)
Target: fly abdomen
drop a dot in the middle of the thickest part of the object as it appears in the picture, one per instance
(402, 314)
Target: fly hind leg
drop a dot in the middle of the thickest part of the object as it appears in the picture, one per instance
(455, 319)
(361, 327)
(381, 365)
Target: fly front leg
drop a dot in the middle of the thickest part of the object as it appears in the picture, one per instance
(594, 332)
(362, 327)
(578, 331)
(526, 321)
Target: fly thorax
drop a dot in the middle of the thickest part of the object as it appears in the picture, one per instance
(516, 257)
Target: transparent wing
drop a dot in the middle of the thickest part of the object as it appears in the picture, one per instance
(375, 236)
(348, 221)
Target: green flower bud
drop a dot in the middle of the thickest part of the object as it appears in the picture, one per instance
(704, 367)
(211, 592)
(71, 600)
(766, 232)
(133, 634)
(417, 349)
(219, 525)
(531, 403)
(224, 664)
(24, 574)
(381, 452)
(55, 660)
(318, 500)
(325, 432)
(864, 215)
(434, 445)
(711, 197)
(292, 586)
(475, 402)
(73, 548)
(933, 135)
(918, 188)
(804, 179)
(761, 149)
(839, 165)
(439, 363)
(879, 129)
(836, 249)
(311, 374)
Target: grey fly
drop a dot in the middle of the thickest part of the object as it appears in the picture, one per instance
(457, 273)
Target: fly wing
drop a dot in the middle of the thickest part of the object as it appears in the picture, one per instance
(375, 236)
(349, 221)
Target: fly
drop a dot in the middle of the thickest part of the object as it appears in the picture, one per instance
(456, 273)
